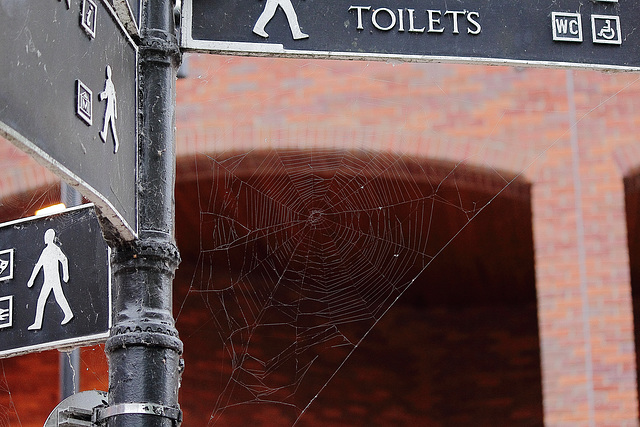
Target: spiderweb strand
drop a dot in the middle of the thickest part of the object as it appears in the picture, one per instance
(8, 414)
(302, 252)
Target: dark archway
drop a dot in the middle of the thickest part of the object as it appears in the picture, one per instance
(460, 346)
(632, 207)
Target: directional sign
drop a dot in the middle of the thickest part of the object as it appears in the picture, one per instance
(599, 34)
(68, 96)
(55, 286)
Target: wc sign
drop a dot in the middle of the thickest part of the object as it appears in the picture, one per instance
(55, 287)
(605, 29)
(567, 26)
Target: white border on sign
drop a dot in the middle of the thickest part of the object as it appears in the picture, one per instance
(89, 27)
(617, 40)
(10, 322)
(86, 116)
(70, 342)
(10, 266)
(556, 36)
(265, 49)
(107, 209)
(126, 16)
(61, 345)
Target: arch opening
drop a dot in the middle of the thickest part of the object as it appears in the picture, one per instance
(292, 257)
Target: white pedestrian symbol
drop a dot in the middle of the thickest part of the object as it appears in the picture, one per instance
(111, 110)
(49, 259)
(269, 11)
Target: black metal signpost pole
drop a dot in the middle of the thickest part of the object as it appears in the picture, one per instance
(144, 350)
(69, 361)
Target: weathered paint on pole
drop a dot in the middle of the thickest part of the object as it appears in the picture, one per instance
(144, 349)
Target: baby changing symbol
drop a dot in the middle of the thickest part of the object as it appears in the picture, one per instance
(50, 261)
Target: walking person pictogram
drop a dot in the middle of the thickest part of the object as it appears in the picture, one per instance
(269, 11)
(48, 262)
(111, 110)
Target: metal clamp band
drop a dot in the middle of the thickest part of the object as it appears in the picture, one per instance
(174, 414)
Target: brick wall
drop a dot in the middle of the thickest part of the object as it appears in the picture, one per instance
(582, 266)
(520, 121)
(574, 142)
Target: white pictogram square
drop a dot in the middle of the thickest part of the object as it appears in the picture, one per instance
(6, 311)
(567, 27)
(606, 29)
(84, 102)
(6, 265)
(89, 9)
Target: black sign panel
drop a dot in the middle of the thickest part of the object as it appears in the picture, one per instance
(597, 34)
(55, 287)
(68, 96)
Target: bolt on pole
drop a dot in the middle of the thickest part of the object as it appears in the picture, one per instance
(144, 349)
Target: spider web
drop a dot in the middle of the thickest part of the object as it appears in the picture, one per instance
(8, 411)
(302, 249)
(302, 253)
